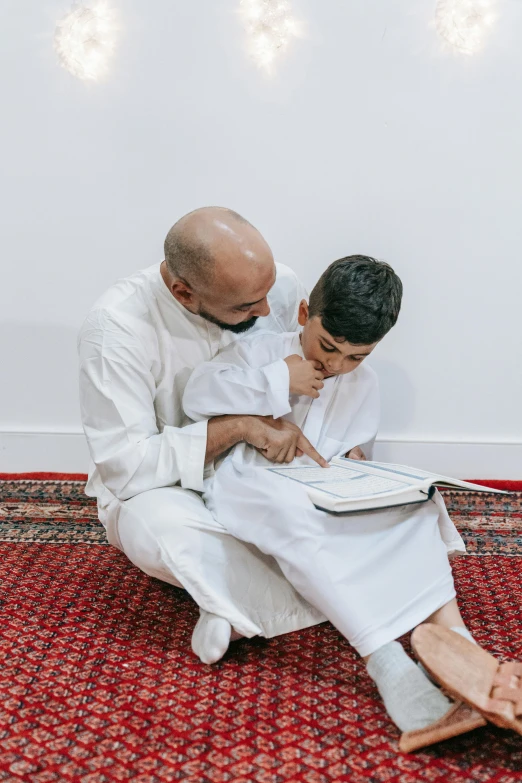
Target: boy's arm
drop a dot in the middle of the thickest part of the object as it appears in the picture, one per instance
(250, 377)
(360, 437)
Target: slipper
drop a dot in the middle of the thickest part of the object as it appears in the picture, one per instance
(472, 675)
(458, 720)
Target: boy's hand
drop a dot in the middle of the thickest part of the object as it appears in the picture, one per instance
(355, 453)
(305, 378)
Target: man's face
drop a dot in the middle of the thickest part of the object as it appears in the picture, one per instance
(242, 326)
(236, 307)
(331, 355)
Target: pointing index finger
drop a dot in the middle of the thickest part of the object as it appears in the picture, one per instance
(306, 447)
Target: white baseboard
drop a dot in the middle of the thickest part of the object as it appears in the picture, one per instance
(66, 452)
(31, 452)
(459, 460)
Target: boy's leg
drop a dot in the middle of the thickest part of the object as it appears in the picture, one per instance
(374, 575)
(410, 695)
(411, 699)
(448, 616)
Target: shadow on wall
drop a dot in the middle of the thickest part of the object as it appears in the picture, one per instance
(397, 397)
(40, 372)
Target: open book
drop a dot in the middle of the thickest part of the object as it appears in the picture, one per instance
(355, 485)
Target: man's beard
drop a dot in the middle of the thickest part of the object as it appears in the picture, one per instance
(244, 326)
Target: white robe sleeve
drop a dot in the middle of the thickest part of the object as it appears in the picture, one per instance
(117, 406)
(250, 377)
(363, 402)
(371, 412)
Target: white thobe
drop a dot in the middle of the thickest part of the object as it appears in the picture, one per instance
(137, 349)
(374, 575)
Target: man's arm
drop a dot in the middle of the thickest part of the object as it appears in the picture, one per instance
(278, 440)
(223, 432)
(117, 407)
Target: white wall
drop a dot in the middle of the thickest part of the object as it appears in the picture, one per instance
(369, 139)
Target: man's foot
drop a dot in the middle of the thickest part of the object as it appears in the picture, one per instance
(211, 637)
(411, 700)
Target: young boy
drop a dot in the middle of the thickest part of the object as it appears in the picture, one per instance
(374, 575)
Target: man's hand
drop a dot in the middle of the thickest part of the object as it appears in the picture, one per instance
(305, 378)
(355, 453)
(278, 440)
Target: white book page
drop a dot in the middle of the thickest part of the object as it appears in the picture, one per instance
(343, 481)
(416, 473)
(402, 471)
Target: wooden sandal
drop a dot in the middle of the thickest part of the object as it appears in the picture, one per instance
(459, 719)
(472, 675)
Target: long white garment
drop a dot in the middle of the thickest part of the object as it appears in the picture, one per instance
(375, 575)
(137, 349)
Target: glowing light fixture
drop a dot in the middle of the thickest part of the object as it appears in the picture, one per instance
(464, 23)
(85, 38)
(269, 26)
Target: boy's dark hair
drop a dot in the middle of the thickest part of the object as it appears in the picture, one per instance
(358, 299)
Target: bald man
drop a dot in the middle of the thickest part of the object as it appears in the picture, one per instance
(137, 349)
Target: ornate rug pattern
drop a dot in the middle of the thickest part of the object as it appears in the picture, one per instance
(55, 511)
(98, 683)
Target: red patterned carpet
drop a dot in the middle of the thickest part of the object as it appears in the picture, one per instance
(98, 683)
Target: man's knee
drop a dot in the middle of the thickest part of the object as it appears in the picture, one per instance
(162, 510)
(146, 521)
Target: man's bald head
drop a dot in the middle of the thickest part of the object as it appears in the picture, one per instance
(219, 266)
(203, 243)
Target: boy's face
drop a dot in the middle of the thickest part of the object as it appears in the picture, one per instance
(331, 355)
